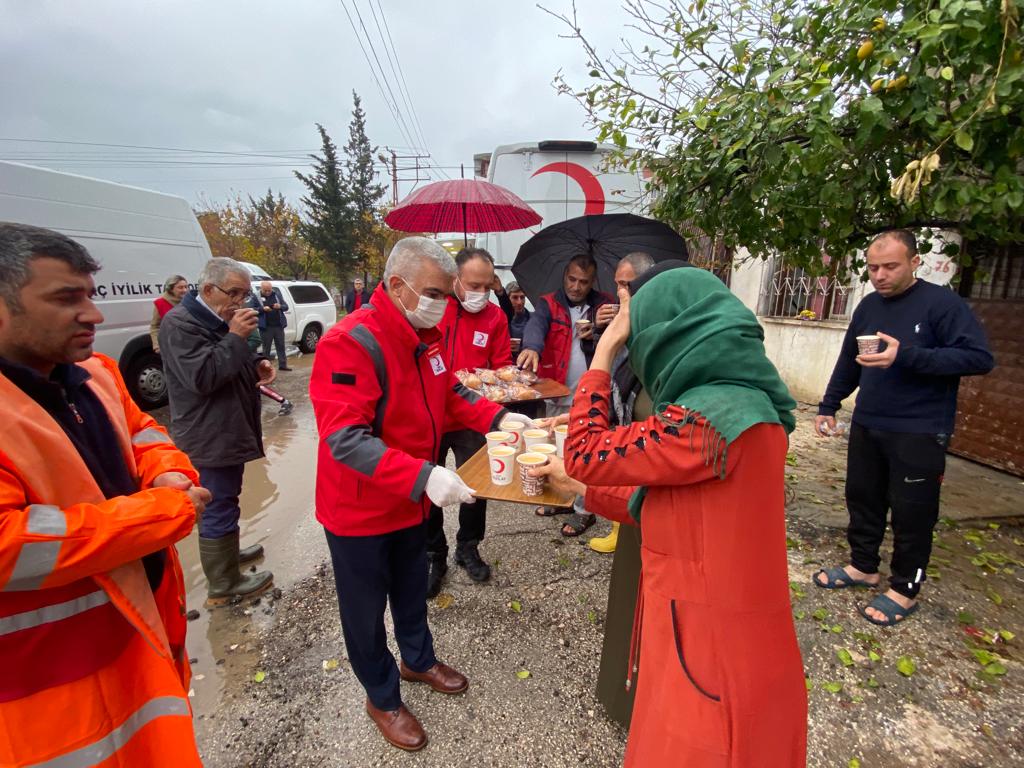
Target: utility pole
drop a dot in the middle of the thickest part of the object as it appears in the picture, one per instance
(395, 168)
(394, 178)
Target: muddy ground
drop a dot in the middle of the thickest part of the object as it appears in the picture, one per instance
(273, 687)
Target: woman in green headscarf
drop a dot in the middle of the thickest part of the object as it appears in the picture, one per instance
(723, 678)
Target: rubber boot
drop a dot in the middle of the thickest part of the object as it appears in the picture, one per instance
(606, 544)
(248, 554)
(219, 558)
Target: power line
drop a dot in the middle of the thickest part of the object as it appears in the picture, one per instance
(388, 49)
(400, 77)
(380, 67)
(265, 153)
(373, 72)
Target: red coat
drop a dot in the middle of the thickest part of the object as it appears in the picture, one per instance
(474, 339)
(382, 393)
(722, 678)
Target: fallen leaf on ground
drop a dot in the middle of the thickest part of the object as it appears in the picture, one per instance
(260, 676)
(874, 656)
(844, 656)
(995, 669)
(833, 687)
(905, 666)
(444, 600)
(854, 763)
(330, 664)
(994, 596)
(516, 606)
(522, 674)
(965, 618)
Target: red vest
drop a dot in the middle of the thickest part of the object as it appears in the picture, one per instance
(554, 360)
(163, 306)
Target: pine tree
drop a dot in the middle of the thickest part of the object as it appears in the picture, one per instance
(330, 215)
(364, 192)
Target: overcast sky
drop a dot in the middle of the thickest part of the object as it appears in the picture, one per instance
(249, 76)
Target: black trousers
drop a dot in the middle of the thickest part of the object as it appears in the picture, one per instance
(901, 472)
(274, 334)
(369, 573)
(472, 517)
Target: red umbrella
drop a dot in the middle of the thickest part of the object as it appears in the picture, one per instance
(469, 205)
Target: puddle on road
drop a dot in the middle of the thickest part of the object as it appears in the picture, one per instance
(277, 512)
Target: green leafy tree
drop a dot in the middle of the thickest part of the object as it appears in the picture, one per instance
(330, 220)
(361, 180)
(804, 127)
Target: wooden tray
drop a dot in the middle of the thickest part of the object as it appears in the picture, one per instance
(549, 389)
(476, 473)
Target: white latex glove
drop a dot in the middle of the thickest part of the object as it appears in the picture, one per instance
(444, 488)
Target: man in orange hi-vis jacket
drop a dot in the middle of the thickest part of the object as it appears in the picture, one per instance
(93, 496)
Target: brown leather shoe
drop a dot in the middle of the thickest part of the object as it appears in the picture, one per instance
(440, 677)
(399, 727)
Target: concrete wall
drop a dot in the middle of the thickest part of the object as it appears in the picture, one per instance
(804, 351)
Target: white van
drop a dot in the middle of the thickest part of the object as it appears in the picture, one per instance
(140, 238)
(560, 180)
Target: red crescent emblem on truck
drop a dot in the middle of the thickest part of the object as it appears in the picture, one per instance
(592, 190)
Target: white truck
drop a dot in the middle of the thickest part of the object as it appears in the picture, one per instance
(140, 238)
(560, 180)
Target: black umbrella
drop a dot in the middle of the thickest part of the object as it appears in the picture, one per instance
(542, 259)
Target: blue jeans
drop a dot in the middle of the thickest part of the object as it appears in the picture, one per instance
(220, 518)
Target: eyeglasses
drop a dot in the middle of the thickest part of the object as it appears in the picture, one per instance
(235, 294)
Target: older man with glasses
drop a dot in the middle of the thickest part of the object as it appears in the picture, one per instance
(213, 384)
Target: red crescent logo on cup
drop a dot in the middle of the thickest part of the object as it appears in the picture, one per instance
(499, 465)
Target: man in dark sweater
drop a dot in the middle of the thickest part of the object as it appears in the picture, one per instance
(903, 420)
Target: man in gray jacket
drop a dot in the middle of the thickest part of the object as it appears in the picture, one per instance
(213, 384)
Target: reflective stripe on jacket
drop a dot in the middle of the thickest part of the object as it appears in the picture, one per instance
(95, 666)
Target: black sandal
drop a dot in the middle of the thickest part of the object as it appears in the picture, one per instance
(551, 511)
(578, 523)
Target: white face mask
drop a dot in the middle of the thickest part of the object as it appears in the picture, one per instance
(475, 300)
(428, 312)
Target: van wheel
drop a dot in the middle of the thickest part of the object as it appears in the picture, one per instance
(146, 382)
(310, 338)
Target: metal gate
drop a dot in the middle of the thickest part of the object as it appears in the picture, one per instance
(990, 412)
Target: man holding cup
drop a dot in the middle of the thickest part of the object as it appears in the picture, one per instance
(382, 390)
(904, 417)
(213, 383)
(559, 343)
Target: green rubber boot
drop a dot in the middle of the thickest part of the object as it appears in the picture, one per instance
(219, 558)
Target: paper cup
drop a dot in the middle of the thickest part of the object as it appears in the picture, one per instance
(868, 345)
(494, 439)
(532, 437)
(546, 449)
(582, 326)
(515, 430)
(561, 432)
(531, 486)
(502, 461)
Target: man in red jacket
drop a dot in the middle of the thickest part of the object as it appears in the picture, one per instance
(383, 391)
(476, 335)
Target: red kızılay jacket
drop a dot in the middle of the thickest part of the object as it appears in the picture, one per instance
(474, 340)
(382, 392)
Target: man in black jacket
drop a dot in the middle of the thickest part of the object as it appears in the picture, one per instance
(356, 297)
(213, 385)
(272, 319)
(905, 412)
